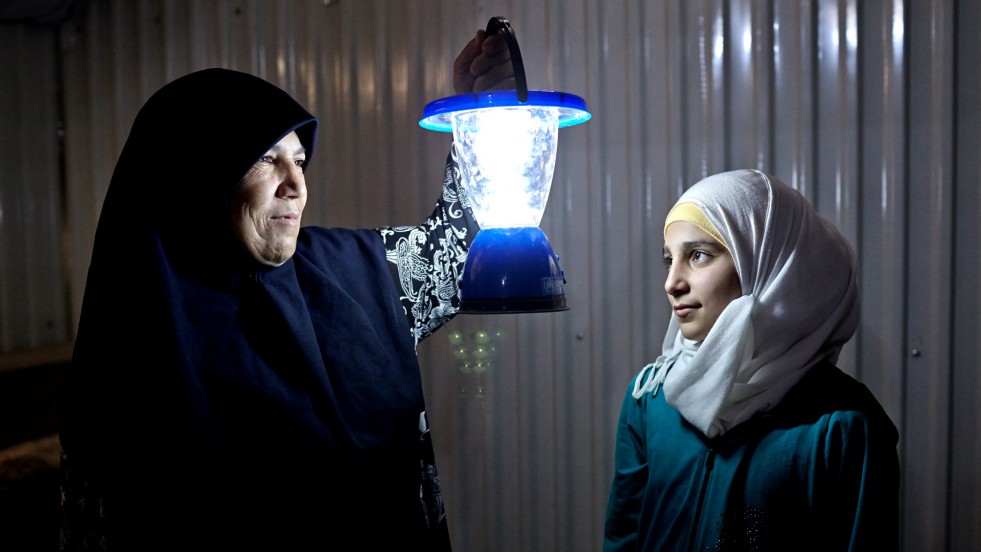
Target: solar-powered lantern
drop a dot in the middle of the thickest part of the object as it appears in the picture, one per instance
(506, 142)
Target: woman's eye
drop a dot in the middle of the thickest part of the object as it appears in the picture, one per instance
(667, 261)
(699, 256)
(266, 159)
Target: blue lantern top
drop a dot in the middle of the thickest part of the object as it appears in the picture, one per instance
(437, 114)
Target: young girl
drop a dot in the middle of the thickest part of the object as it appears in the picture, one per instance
(743, 435)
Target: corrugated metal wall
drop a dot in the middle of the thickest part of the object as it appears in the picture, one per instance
(871, 108)
(34, 300)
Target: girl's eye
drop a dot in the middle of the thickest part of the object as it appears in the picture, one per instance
(699, 256)
(667, 261)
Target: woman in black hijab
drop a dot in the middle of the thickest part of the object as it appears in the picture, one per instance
(238, 380)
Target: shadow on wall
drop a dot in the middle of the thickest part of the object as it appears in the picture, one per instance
(29, 454)
(29, 496)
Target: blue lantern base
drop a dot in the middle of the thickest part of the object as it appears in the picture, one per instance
(512, 270)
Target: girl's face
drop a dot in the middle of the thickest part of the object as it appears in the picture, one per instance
(702, 278)
(268, 203)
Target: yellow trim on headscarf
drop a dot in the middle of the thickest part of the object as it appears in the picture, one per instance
(689, 212)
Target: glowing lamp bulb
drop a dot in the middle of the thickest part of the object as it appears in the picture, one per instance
(507, 159)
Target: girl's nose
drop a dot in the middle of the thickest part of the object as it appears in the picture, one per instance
(675, 283)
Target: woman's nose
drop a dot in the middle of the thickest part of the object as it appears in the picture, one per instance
(294, 183)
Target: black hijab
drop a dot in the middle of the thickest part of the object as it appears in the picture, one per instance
(214, 398)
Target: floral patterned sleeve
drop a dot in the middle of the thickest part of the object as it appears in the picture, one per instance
(427, 260)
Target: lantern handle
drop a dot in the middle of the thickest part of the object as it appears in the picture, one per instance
(500, 24)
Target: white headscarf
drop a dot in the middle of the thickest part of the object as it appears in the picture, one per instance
(799, 305)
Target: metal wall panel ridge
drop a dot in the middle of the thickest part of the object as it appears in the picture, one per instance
(965, 428)
(930, 250)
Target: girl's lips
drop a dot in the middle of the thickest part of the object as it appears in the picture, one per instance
(682, 311)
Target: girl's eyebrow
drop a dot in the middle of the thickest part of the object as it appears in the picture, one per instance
(696, 244)
(708, 244)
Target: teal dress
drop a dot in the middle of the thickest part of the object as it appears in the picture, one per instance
(818, 472)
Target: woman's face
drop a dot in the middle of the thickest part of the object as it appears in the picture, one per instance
(267, 204)
(702, 278)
